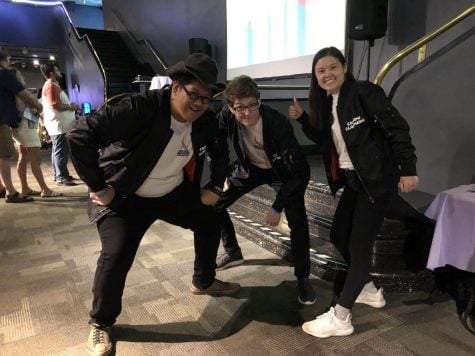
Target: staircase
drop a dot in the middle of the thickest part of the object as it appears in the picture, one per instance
(120, 65)
(399, 253)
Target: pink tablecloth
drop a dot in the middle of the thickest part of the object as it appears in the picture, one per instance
(454, 235)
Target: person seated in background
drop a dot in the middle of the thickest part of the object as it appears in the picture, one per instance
(367, 150)
(267, 153)
(28, 142)
(142, 159)
(58, 116)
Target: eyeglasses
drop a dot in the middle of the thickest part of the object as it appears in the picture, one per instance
(194, 96)
(251, 107)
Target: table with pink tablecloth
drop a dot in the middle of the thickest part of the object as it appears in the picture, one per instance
(454, 236)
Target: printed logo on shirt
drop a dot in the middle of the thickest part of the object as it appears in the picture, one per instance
(275, 157)
(353, 123)
(183, 152)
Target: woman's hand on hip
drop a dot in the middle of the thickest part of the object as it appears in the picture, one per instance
(103, 197)
(407, 184)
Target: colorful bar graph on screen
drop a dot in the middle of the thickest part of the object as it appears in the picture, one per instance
(250, 44)
(301, 27)
(269, 36)
(285, 45)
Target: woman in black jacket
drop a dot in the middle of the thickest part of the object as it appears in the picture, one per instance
(367, 150)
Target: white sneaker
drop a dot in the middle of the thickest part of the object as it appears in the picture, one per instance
(99, 341)
(375, 300)
(328, 324)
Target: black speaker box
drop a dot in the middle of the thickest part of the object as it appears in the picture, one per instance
(367, 19)
(199, 45)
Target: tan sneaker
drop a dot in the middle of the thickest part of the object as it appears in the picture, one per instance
(218, 288)
(99, 341)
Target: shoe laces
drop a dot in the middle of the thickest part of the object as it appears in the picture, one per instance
(98, 336)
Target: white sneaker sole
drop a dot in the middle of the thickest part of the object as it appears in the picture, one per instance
(307, 302)
(231, 264)
(103, 353)
(375, 304)
(306, 328)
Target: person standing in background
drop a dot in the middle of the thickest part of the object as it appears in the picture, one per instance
(58, 116)
(28, 142)
(367, 150)
(9, 88)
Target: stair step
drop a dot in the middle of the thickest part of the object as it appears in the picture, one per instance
(388, 262)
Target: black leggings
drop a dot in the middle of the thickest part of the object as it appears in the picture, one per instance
(121, 232)
(356, 224)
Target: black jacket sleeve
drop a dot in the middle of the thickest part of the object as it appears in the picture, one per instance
(113, 123)
(218, 151)
(311, 132)
(396, 129)
(292, 165)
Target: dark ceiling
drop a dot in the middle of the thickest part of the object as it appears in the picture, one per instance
(25, 57)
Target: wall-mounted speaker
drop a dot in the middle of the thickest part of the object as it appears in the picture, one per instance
(367, 19)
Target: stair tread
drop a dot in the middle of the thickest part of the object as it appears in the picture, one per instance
(120, 64)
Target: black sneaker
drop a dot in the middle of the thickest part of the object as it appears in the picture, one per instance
(225, 261)
(68, 182)
(307, 295)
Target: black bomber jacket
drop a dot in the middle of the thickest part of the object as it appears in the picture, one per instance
(376, 136)
(281, 147)
(121, 143)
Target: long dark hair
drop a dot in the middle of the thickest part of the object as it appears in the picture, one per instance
(317, 96)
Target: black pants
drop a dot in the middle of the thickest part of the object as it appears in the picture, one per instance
(356, 224)
(295, 213)
(121, 232)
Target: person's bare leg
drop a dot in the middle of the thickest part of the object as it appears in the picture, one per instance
(6, 174)
(23, 159)
(35, 162)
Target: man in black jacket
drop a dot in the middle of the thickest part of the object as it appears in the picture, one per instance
(267, 153)
(142, 159)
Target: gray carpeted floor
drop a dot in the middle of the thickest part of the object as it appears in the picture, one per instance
(48, 252)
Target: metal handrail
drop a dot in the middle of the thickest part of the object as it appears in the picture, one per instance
(155, 54)
(91, 47)
(143, 41)
(419, 43)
